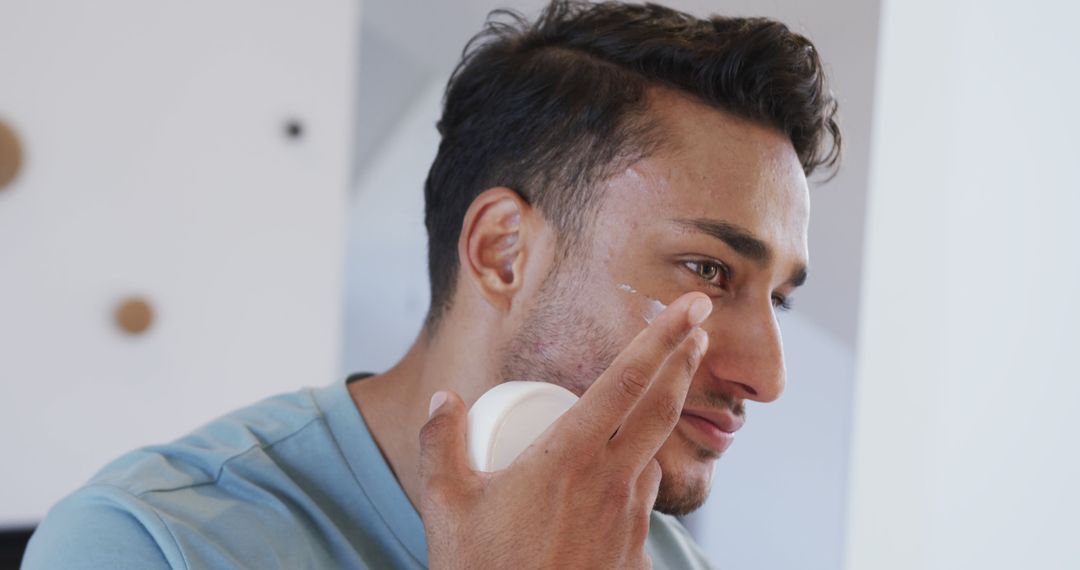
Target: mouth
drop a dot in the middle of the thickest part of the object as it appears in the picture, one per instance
(712, 429)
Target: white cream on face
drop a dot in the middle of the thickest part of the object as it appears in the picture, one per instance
(653, 307)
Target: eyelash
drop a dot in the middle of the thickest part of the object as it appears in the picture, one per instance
(780, 302)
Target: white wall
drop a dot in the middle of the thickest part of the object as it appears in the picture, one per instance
(157, 165)
(386, 280)
(967, 401)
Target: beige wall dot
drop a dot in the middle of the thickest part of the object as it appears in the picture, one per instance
(10, 155)
(134, 315)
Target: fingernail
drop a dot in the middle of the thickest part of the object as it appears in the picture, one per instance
(702, 340)
(437, 399)
(699, 310)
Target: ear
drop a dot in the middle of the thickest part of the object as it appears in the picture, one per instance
(493, 245)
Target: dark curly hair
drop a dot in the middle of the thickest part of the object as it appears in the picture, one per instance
(551, 107)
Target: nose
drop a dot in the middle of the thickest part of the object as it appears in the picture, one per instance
(746, 352)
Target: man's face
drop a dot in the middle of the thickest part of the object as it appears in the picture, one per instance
(722, 209)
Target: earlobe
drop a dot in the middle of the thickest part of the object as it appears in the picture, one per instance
(492, 247)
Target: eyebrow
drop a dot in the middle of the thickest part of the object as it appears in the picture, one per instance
(744, 242)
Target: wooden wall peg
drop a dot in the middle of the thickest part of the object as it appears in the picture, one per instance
(134, 315)
(10, 155)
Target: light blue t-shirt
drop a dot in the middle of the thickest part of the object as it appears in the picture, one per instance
(294, 481)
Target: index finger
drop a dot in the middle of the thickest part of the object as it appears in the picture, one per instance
(605, 405)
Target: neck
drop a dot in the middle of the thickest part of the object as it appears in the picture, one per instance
(395, 404)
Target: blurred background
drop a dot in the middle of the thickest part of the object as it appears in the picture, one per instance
(205, 203)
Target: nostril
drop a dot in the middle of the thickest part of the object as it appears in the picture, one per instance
(750, 390)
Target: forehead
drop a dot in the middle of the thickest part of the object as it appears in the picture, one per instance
(714, 165)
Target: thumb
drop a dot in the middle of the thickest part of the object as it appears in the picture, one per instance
(443, 446)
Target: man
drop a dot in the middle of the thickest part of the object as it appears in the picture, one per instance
(595, 165)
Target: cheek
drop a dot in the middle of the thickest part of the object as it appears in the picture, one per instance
(618, 304)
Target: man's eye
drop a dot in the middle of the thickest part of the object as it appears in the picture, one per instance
(781, 302)
(715, 273)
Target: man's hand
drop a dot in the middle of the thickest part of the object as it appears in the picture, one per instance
(579, 497)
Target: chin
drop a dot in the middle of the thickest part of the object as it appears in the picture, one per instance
(687, 475)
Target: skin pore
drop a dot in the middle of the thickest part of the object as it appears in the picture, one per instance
(722, 208)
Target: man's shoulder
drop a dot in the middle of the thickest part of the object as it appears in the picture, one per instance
(671, 545)
(100, 527)
(207, 495)
(205, 455)
(208, 526)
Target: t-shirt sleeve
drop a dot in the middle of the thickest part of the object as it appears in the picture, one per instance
(93, 529)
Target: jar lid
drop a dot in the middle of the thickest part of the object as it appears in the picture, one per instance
(506, 419)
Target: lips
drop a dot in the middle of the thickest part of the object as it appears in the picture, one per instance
(724, 420)
(713, 429)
